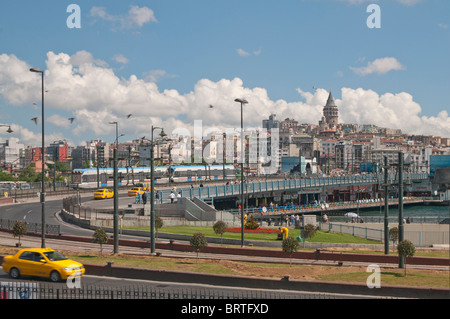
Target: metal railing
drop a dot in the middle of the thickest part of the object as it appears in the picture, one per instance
(420, 238)
(33, 290)
(31, 227)
(73, 206)
(212, 191)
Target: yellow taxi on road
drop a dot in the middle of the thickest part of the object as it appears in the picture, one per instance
(103, 193)
(42, 262)
(135, 191)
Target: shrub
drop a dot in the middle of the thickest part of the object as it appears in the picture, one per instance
(100, 237)
(19, 229)
(393, 235)
(406, 249)
(251, 223)
(310, 231)
(220, 227)
(198, 241)
(289, 246)
(158, 224)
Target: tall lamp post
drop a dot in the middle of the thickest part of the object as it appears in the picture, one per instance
(152, 189)
(116, 193)
(36, 70)
(401, 232)
(386, 206)
(242, 101)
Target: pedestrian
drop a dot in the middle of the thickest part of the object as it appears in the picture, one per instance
(178, 196)
(172, 197)
(144, 198)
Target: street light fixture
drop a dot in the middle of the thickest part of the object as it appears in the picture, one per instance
(242, 101)
(9, 130)
(36, 70)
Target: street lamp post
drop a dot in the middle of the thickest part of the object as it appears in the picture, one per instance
(401, 233)
(116, 194)
(36, 70)
(242, 101)
(152, 190)
(386, 206)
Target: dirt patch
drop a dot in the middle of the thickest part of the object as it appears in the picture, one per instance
(262, 270)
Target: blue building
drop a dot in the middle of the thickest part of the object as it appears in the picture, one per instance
(438, 161)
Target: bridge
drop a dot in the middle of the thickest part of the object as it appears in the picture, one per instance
(260, 189)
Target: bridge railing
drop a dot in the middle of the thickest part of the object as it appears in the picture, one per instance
(283, 185)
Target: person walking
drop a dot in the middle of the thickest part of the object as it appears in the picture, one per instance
(172, 197)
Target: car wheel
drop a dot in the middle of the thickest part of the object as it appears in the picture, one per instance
(55, 276)
(14, 273)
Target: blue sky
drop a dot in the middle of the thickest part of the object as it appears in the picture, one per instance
(165, 61)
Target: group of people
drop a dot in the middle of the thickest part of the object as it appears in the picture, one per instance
(172, 196)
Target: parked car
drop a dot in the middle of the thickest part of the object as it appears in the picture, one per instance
(42, 262)
(103, 193)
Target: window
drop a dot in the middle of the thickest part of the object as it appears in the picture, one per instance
(55, 256)
(26, 255)
(37, 257)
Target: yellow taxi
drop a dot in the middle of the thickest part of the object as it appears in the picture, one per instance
(135, 191)
(145, 186)
(42, 262)
(103, 193)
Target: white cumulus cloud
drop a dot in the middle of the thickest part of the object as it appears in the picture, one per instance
(136, 17)
(379, 66)
(92, 93)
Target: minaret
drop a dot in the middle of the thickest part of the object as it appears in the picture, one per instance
(330, 111)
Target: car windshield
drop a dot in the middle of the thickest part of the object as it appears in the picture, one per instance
(55, 256)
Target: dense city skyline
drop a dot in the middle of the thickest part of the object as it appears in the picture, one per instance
(167, 62)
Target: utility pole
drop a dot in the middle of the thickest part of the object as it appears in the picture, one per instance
(116, 205)
(401, 234)
(386, 207)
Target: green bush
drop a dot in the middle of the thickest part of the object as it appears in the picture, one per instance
(198, 241)
(220, 227)
(251, 223)
(290, 245)
(406, 249)
(19, 229)
(100, 237)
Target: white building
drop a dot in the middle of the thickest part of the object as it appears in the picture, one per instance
(10, 153)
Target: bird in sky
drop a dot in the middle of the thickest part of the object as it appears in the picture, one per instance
(34, 119)
(71, 119)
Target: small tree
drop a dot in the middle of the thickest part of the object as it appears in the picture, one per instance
(158, 224)
(405, 249)
(310, 231)
(393, 235)
(100, 237)
(198, 241)
(289, 246)
(220, 227)
(19, 229)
